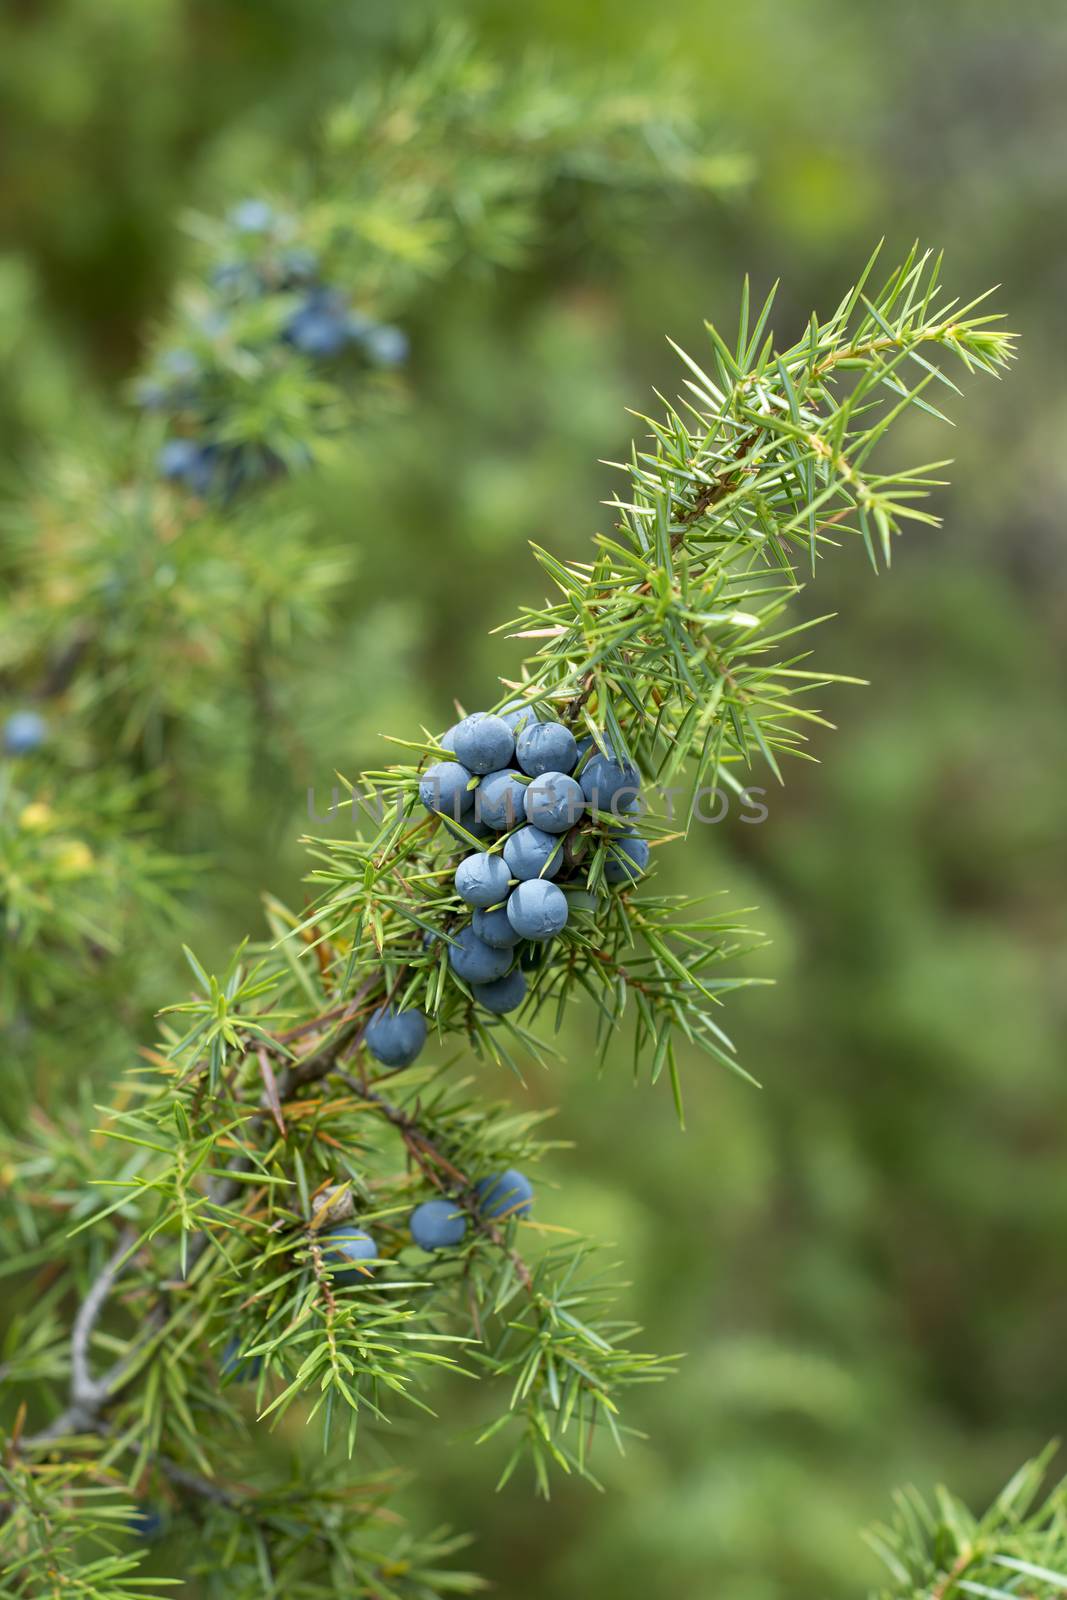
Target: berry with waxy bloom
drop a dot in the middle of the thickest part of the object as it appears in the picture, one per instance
(499, 800)
(395, 1037)
(24, 732)
(252, 216)
(537, 909)
(546, 747)
(385, 345)
(625, 808)
(518, 714)
(482, 879)
(349, 1252)
(603, 780)
(503, 994)
(437, 1224)
(506, 1194)
(474, 961)
(494, 928)
(532, 853)
(444, 788)
(483, 743)
(320, 326)
(177, 458)
(553, 802)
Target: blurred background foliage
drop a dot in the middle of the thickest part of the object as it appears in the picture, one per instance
(863, 1261)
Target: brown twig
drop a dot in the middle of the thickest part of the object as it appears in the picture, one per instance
(89, 1398)
(429, 1157)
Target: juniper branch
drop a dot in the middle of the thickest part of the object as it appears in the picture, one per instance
(88, 1397)
(668, 647)
(941, 1551)
(638, 660)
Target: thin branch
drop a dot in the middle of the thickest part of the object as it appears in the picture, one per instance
(429, 1157)
(84, 1391)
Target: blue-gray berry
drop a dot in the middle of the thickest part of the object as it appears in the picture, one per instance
(518, 714)
(627, 859)
(482, 880)
(177, 458)
(553, 802)
(320, 326)
(533, 853)
(475, 961)
(546, 747)
(604, 781)
(436, 1224)
(483, 743)
(252, 216)
(503, 994)
(494, 929)
(443, 787)
(506, 1194)
(537, 910)
(315, 332)
(348, 1250)
(385, 345)
(181, 364)
(185, 461)
(395, 1037)
(24, 732)
(498, 800)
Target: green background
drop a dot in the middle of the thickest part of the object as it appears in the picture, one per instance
(864, 1261)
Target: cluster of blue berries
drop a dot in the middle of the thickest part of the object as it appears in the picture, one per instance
(203, 468)
(322, 325)
(24, 732)
(526, 789)
(438, 1224)
(325, 325)
(433, 1225)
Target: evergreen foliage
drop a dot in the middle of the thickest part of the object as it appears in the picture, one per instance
(939, 1549)
(162, 590)
(833, 1254)
(252, 1185)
